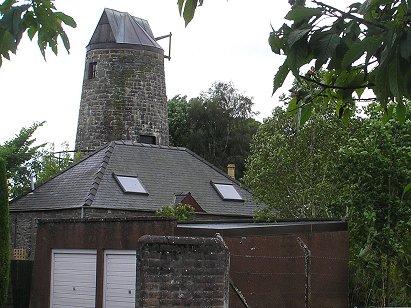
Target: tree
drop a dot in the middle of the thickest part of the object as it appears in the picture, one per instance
(368, 46)
(217, 125)
(26, 163)
(326, 169)
(373, 170)
(292, 169)
(4, 235)
(179, 120)
(18, 17)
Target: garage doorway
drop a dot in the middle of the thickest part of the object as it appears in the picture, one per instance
(119, 278)
(73, 278)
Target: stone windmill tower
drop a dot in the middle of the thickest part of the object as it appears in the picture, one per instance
(124, 93)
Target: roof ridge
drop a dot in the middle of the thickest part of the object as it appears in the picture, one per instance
(147, 145)
(99, 174)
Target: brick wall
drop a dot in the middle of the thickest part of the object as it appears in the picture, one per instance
(182, 271)
(125, 98)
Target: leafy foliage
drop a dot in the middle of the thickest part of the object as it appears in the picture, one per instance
(292, 168)
(26, 162)
(367, 46)
(380, 213)
(32, 17)
(217, 125)
(180, 211)
(359, 172)
(4, 235)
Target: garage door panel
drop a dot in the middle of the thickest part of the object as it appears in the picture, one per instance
(80, 289)
(120, 279)
(121, 265)
(73, 278)
(65, 265)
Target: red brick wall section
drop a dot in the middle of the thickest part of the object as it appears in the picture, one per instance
(182, 271)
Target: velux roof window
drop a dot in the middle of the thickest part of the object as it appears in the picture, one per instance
(130, 184)
(227, 191)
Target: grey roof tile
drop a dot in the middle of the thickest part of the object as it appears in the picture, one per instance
(163, 170)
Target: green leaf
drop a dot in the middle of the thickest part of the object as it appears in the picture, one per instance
(6, 5)
(407, 188)
(280, 76)
(7, 44)
(292, 107)
(405, 46)
(299, 13)
(65, 40)
(326, 48)
(180, 4)
(355, 51)
(388, 114)
(305, 113)
(296, 35)
(382, 87)
(275, 42)
(31, 32)
(189, 10)
(401, 112)
(68, 20)
(346, 116)
(393, 78)
(299, 55)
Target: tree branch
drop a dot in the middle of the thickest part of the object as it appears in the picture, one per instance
(327, 86)
(351, 16)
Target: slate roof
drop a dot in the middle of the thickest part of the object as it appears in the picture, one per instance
(120, 29)
(164, 171)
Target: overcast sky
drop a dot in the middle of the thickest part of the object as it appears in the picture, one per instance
(226, 41)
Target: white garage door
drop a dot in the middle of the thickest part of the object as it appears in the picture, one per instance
(73, 278)
(119, 278)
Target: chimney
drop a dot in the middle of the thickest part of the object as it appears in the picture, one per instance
(231, 170)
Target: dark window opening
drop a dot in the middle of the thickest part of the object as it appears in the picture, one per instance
(92, 70)
(147, 139)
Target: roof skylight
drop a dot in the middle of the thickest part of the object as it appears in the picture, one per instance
(130, 184)
(227, 191)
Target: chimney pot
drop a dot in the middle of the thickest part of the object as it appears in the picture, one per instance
(231, 170)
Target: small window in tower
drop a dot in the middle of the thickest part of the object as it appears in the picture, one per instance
(130, 184)
(147, 139)
(227, 191)
(92, 70)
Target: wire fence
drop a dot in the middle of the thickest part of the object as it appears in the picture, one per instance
(286, 280)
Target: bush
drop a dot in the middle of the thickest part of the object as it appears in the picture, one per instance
(179, 211)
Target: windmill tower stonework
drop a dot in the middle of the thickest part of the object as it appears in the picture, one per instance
(124, 92)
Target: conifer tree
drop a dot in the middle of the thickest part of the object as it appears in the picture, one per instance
(4, 235)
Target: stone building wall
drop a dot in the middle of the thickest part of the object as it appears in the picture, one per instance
(24, 224)
(182, 271)
(23, 228)
(123, 98)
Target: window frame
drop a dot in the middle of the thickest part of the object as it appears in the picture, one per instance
(224, 198)
(92, 70)
(116, 177)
